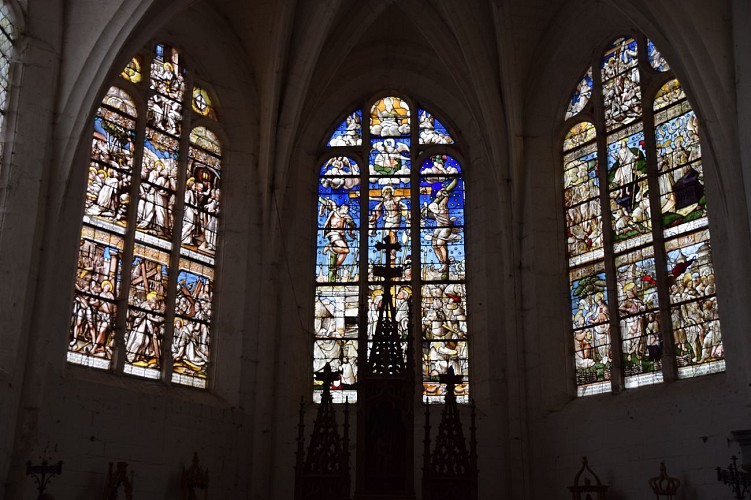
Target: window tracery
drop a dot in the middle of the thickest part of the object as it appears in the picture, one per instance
(145, 280)
(380, 182)
(639, 253)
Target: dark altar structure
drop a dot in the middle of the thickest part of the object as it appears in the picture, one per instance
(385, 424)
(449, 471)
(323, 472)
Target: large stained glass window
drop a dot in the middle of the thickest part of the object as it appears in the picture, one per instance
(392, 173)
(145, 278)
(642, 287)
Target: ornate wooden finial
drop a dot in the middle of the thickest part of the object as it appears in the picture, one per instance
(323, 472)
(195, 478)
(583, 490)
(450, 472)
(663, 485)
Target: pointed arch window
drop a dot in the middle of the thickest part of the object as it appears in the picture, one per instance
(642, 288)
(392, 171)
(145, 279)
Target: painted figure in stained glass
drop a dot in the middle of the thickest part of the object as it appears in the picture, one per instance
(589, 308)
(432, 131)
(637, 304)
(581, 95)
(166, 73)
(146, 313)
(621, 56)
(692, 286)
(445, 312)
(668, 94)
(444, 332)
(111, 162)
(94, 305)
(193, 232)
(629, 200)
(349, 133)
(389, 117)
(340, 172)
(390, 211)
(584, 227)
(655, 57)
(165, 114)
(158, 184)
(339, 228)
(622, 97)
(190, 347)
(143, 344)
(390, 157)
(444, 232)
(580, 134)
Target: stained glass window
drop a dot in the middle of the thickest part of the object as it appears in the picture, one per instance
(642, 288)
(403, 196)
(145, 275)
(7, 39)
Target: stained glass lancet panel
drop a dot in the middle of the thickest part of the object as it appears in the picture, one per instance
(634, 281)
(390, 208)
(444, 295)
(630, 211)
(352, 222)
(98, 279)
(621, 87)
(166, 287)
(337, 302)
(683, 205)
(587, 282)
(195, 281)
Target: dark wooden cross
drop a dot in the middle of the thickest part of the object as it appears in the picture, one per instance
(388, 271)
(450, 379)
(327, 376)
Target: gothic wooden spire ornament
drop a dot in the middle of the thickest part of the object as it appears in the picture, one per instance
(323, 472)
(385, 424)
(387, 354)
(195, 478)
(450, 471)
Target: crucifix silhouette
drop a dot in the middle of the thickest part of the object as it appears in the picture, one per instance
(451, 379)
(387, 355)
(327, 376)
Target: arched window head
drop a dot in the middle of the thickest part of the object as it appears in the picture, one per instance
(145, 280)
(642, 285)
(7, 39)
(393, 178)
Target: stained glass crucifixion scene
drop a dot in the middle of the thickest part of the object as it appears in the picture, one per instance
(414, 197)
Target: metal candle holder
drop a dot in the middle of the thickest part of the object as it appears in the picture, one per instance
(738, 480)
(42, 474)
